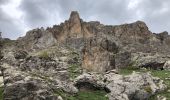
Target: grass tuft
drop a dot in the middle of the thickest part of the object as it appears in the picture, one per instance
(44, 55)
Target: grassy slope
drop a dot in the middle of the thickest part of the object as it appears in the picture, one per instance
(87, 95)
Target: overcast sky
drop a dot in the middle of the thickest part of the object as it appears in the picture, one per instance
(19, 16)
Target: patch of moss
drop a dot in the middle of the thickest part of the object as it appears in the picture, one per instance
(125, 71)
(148, 89)
(1, 93)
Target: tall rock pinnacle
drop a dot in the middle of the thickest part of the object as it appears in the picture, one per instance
(75, 24)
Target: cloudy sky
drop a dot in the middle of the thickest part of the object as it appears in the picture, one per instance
(19, 16)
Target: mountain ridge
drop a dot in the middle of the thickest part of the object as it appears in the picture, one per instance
(78, 55)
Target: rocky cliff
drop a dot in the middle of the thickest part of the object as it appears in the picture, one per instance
(78, 55)
(102, 47)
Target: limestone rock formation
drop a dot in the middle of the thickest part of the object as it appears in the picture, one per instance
(101, 46)
(76, 54)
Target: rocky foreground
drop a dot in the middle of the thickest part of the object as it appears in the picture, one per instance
(60, 62)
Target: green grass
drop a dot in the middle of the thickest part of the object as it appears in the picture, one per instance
(74, 70)
(125, 71)
(84, 95)
(8, 42)
(90, 95)
(128, 71)
(1, 93)
(162, 74)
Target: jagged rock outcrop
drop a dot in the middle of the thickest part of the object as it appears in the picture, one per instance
(37, 39)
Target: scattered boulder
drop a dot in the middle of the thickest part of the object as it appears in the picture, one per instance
(20, 54)
(167, 65)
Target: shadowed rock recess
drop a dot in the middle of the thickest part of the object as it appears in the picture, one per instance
(61, 61)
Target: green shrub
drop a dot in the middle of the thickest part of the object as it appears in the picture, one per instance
(44, 55)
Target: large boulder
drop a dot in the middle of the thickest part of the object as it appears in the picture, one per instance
(149, 61)
(137, 86)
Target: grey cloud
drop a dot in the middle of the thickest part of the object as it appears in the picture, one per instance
(3, 2)
(155, 13)
(37, 13)
(8, 25)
